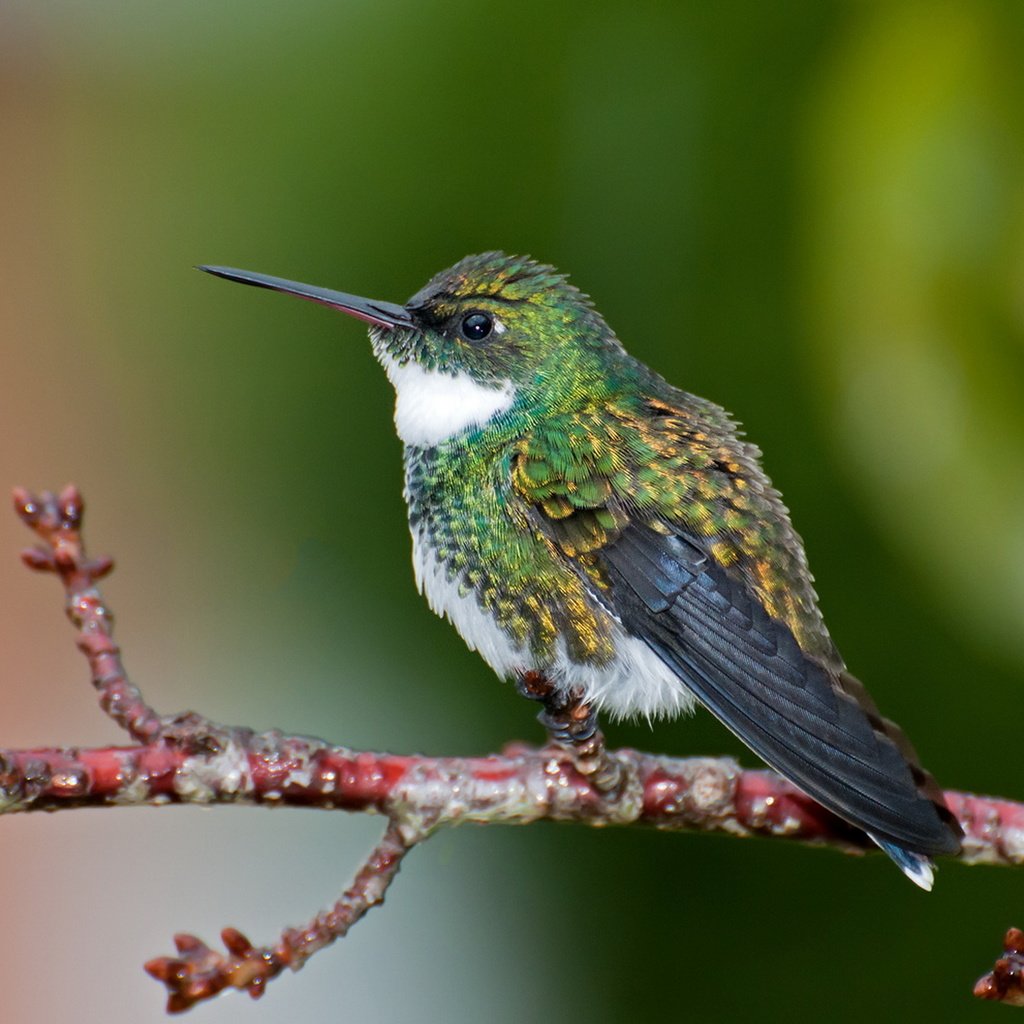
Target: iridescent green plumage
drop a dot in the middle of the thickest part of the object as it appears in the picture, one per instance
(597, 441)
(581, 520)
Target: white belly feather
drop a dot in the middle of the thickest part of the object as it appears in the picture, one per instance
(635, 683)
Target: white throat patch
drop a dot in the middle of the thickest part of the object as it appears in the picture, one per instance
(431, 407)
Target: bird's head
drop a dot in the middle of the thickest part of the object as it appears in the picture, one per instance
(489, 333)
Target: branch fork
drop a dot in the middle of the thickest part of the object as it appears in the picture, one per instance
(187, 758)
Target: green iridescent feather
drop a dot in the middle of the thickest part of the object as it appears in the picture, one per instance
(595, 441)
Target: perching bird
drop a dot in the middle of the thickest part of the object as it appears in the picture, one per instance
(582, 522)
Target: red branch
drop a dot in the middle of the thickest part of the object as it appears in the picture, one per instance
(189, 759)
(199, 762)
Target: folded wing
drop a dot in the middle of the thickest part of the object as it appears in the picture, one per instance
(812, 723)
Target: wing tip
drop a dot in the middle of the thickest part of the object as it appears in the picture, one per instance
(917, 867)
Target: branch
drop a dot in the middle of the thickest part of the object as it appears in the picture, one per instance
(186, 758)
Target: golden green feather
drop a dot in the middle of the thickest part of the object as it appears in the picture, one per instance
(529, 511)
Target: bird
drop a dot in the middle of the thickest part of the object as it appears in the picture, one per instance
(613, 544)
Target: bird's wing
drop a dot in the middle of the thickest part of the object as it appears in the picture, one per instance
(691, 594)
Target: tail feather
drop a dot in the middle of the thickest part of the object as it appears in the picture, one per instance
(918, 868)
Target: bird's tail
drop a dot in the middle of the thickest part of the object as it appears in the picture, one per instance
(918, 868)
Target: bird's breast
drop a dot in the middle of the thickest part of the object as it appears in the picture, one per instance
(516, 601)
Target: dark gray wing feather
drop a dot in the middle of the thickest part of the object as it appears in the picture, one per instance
(811, 722)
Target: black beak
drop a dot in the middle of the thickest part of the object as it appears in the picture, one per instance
(381, 314)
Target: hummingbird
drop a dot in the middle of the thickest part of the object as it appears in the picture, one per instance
(612, 543)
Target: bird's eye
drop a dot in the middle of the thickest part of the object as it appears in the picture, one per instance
(476, 326)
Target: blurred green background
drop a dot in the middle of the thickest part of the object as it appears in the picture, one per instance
(810, 212)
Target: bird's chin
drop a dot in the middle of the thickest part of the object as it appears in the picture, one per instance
(392, 344)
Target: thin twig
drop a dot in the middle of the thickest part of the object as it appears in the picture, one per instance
(1005, 982)
(58, 521)
(199, 972)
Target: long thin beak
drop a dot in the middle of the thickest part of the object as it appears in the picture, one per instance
(382, 314)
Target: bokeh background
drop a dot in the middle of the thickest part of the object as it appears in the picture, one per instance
(811, 212)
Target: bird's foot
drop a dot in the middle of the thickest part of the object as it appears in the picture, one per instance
(573, 729)
(597, 764)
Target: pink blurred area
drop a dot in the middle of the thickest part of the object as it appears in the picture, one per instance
(73, 886)
(88, 897)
